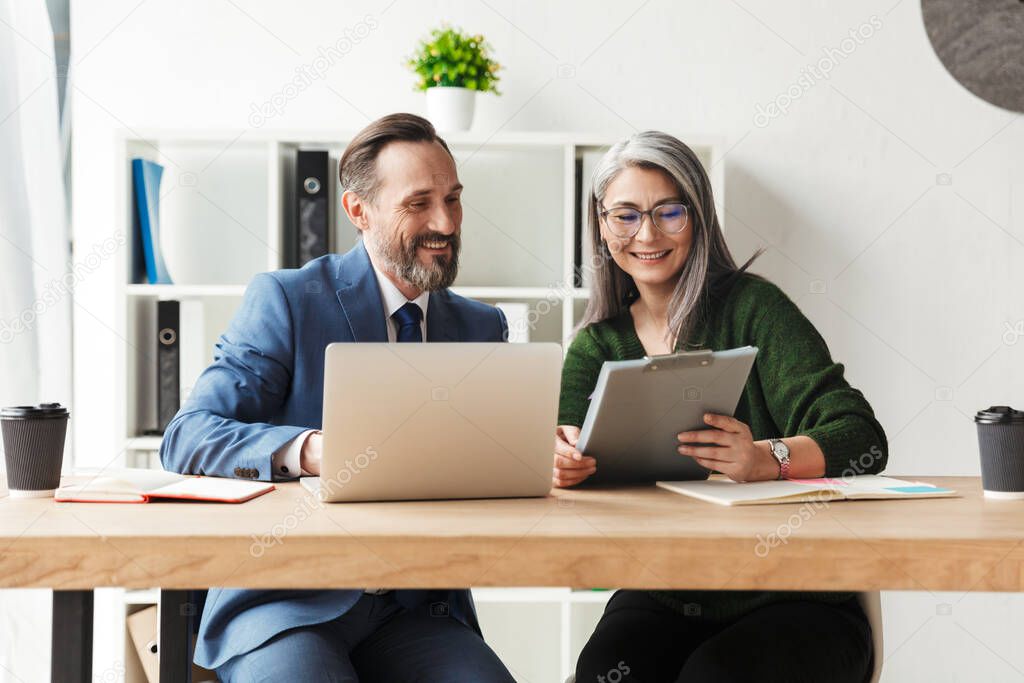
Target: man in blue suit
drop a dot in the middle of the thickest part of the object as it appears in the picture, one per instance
(256, 413)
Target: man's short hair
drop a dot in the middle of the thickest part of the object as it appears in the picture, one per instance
(357, 170)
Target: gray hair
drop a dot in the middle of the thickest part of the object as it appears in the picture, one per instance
(709, 262)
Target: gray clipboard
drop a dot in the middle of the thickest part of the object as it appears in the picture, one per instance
(639, 406)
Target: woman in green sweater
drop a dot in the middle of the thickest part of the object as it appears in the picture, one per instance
(664, 280)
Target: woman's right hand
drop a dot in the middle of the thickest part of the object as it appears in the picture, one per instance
(571, 466)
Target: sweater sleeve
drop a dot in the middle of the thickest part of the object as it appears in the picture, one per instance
(579, 377)
(806, 392)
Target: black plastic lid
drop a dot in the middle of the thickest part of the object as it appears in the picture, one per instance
(998, 415)
(41, 411)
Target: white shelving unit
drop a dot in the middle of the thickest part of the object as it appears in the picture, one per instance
(225, 200)
(226, 197)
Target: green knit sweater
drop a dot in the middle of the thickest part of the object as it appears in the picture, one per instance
(794, 388)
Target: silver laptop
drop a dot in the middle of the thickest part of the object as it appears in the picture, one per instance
(437, 421)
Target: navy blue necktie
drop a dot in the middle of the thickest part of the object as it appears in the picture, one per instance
(408, 319)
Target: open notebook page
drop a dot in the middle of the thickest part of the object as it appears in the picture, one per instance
(140, 485)
(869, 486)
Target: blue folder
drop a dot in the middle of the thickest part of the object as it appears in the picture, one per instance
(146, 182)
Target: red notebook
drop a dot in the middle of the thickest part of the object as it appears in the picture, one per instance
(144, 486)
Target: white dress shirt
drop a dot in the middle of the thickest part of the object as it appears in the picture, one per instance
(285, 462)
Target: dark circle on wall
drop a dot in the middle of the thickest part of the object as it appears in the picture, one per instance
(981, 44)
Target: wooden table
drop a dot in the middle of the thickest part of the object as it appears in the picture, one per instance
(638, 537)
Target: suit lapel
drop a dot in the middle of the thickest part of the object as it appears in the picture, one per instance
(359, 296)
(360, 299)
(440, 322)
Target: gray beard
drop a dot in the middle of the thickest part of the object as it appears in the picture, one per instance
(402, 261)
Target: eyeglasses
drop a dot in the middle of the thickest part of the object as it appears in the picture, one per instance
(670, 218)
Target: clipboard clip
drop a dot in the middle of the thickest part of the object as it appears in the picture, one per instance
(677, 361)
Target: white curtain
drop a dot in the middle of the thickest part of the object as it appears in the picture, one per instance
(35, 303)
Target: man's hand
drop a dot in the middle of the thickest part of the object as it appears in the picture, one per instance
(312, 453)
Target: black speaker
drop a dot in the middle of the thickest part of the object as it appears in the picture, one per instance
(311, 221)
(168, 362)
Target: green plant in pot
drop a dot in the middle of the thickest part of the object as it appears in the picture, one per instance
(451, 67)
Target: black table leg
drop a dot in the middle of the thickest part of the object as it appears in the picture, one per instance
(175, 636)
(71, 647)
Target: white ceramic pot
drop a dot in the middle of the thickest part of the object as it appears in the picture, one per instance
(450, 109)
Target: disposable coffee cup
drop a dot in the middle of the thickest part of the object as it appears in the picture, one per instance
(1001, 442)
(34, 448)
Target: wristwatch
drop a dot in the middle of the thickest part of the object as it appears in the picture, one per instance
(781, 452)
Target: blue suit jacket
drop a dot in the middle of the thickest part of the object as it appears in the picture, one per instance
(265, 387)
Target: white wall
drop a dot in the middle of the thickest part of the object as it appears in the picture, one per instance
(888, 193)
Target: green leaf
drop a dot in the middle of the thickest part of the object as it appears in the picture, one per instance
(450, 57)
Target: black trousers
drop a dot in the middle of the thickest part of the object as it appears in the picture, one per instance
(641, 640)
